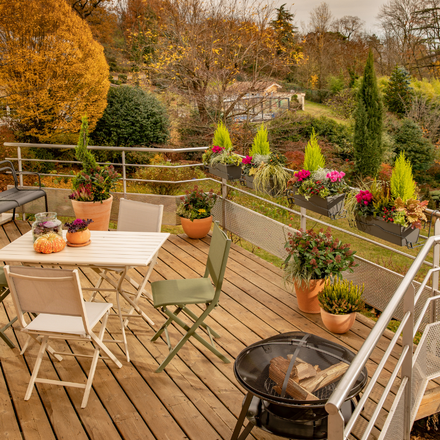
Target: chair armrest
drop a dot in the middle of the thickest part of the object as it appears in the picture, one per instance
(31, 172)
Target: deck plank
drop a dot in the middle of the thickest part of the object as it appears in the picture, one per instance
(197, 397)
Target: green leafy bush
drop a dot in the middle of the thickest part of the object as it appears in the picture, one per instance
(132, 118)
(343, 103)
(418, 150)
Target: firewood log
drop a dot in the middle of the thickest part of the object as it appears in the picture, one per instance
(325, 377)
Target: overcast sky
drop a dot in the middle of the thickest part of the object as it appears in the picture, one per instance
(366, 10)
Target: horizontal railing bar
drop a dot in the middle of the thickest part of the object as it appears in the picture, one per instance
(373, 380)
(422, 313)
(109, 148)
(384, 396)
(338, 396)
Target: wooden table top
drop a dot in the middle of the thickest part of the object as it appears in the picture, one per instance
(107, 248)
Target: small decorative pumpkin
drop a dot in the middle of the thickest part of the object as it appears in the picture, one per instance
(49, 243)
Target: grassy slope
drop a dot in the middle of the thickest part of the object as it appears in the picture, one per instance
(315, 109)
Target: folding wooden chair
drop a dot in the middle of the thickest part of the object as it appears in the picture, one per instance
(204, 291)
(4, 289)
(56, 297)
(133, 217)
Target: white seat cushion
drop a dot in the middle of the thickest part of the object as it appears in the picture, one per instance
(71, 325)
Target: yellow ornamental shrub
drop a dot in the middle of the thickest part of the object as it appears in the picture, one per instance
(52, 71)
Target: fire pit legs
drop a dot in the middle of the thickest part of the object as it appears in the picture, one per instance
(241, 418)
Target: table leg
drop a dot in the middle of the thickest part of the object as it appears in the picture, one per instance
(118, 302)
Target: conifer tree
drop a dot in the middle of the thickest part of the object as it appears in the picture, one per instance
(368, 148)
(398, 92)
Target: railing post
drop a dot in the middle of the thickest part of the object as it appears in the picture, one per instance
(20, 166)
(124, 175)
(435, 262)
(224, 196)
(303, 224)
(407, 340)
(335, 425)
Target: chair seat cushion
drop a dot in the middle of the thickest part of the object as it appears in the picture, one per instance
(72, 325)
(181, 292)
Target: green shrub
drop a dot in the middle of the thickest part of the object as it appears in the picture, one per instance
(398, 93)
(335, 83)
(132, 118)
(402, 181)
(343, 103)
(313, 158)
(418, 150)
(260, 145)
(221, 137)
(167, 174)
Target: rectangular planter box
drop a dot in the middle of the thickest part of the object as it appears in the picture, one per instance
(228, 172)
(390, 232)
(330, 206)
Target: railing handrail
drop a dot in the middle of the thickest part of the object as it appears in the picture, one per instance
(337, 398)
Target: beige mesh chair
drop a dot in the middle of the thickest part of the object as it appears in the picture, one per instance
(56, 296)
(133, 217)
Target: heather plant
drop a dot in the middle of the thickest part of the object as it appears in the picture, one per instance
(313, 158)
(341, 297)
(77, 225)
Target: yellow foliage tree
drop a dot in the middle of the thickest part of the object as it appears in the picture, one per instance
(51, 71)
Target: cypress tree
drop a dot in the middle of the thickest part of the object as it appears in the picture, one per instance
(398, 92)
(367, 143)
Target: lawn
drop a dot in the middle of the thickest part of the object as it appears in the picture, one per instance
(316, 110)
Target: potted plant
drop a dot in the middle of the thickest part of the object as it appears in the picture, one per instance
(316, 188)
(195, 212)
(220, 159)
(390, 210)
(339, 301)
(91, 196)
(312, 258)
(78, 233)
(263, 170)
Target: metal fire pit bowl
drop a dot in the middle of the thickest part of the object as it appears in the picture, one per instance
(284, 415)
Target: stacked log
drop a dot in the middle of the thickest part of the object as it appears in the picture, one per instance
(304, 379)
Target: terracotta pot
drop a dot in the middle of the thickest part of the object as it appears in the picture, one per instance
(198, 228)
(307, 295)
(97, 211)
(338, 323)
(80, 237)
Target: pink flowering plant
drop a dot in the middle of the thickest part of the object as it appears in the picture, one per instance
(196, 204)
(316, 255)
(322, 183)
(77, 225)
(217, 154)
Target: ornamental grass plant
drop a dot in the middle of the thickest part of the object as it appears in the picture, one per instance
(341, 297)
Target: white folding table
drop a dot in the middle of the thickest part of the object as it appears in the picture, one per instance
(107, 249)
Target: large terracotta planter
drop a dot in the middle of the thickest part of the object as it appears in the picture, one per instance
(198, 228)
(338, 323)
(97, 211)
(307, 295)
(78, 238)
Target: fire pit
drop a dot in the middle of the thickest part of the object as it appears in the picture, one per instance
(289, 378)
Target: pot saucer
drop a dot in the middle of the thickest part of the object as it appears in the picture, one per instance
(78, 245)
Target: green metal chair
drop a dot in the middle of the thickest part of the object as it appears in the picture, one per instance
(180, 293)
(4, 293)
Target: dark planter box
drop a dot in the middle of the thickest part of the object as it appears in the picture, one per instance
(390, 232)
(228, 172)
(330, 206)
(249, 181)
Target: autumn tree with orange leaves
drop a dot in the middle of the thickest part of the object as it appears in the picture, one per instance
(52, 72)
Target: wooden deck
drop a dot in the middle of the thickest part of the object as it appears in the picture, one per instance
(197, 397)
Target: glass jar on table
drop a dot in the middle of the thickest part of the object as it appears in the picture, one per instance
(46, 222)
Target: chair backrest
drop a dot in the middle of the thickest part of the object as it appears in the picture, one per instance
(217, 258)
(139, 216)
(6, 167)
(45, 290)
